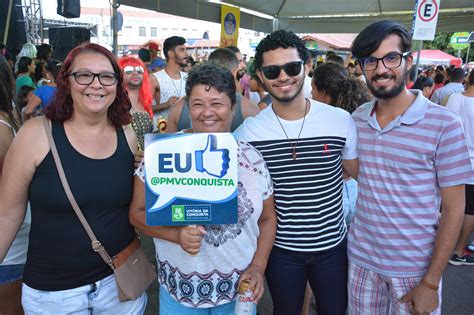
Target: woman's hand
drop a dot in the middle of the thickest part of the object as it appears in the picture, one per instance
(254, 275)
(190, 238)
(139, 157)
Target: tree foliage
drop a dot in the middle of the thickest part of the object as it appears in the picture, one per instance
(441, 42)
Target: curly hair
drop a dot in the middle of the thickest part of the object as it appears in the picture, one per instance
(345, 92)
(145, 96)
(62, 108)
(280, 39)
(212, 76)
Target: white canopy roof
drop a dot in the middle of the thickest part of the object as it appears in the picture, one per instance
(318, 16)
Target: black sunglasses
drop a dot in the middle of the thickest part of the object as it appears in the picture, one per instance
(291, 68)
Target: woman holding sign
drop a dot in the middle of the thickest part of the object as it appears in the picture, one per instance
(88, 118)
(201, 266)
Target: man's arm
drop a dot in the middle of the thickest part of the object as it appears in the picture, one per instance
(155, 89)
(424, 296)
(173, 117)
(249, 109)
(351, 167)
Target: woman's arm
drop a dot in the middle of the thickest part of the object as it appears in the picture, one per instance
(27, 150)
(267, 226)
(188, 237)
(29, 109)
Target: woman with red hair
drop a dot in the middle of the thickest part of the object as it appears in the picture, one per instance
(138, 86)
(88, 118)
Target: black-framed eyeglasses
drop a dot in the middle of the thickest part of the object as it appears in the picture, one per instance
(291, 68)
(87, 77)
(130, 69)
(390, 61)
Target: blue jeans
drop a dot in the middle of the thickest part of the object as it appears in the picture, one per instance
(169, 306)
(288, 271)
(100, 297)
(10, 273)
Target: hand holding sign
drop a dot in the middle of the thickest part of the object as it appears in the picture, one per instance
(205, 159)
(190, 238)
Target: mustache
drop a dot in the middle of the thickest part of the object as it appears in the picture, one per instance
(383, 76)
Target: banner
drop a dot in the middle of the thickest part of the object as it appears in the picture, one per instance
(190, 179)
(230, 23)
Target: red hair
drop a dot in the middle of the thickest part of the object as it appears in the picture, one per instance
(145, 96)
(61, 108)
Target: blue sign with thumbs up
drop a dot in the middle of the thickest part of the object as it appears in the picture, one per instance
(190, 179)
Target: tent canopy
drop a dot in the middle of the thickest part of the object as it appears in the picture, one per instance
(317, 16)
(433, 56)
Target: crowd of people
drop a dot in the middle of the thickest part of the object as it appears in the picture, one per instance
(355, 179)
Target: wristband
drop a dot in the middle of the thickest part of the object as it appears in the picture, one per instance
(428, 285)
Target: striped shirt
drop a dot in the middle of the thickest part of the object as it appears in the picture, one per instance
(402, 168)
(308, 190)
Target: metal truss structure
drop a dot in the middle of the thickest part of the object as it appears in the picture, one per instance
(33, 21)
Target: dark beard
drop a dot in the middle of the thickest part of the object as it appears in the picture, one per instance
(289, 98)
(387, 94)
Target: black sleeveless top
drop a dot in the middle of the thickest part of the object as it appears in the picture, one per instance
(60, 256)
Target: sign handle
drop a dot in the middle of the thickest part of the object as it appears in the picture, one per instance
(418, 59)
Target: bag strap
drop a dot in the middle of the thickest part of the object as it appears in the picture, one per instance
(96, 245)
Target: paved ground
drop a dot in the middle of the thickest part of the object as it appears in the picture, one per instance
(458, 290)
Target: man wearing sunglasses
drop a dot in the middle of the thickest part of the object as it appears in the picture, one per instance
(305, 145)
(413, 159)
(139, 87)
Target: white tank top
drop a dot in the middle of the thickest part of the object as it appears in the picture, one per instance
(168, 88)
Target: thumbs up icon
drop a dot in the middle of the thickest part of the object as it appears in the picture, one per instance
(212, 160)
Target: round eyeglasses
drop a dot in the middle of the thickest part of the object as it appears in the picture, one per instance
(390, 61)
(87, 77)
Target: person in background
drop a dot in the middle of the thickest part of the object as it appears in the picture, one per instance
(156, 62)
(463, 105)
(26, 68)
(411, 77)
(27, 50)
(21, 99)
(44, 94)
(425, 85)
(3, 49)
(455, 85)
(44, 52)
(89, 119)
(39, 76)
(211, 261)
(11, 269)
(189, 64)
(171, 80)
(256, 86)
(438, 82)
(138, 86)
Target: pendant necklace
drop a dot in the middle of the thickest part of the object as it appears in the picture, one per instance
(293, 145)
(178, 91)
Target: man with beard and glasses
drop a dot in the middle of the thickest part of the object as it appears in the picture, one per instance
(305, 144)
(413, 159)
(171, 80)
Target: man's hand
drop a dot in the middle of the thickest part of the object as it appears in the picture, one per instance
(254, 275)
(190, 238)
(171, 101)
(421, 300)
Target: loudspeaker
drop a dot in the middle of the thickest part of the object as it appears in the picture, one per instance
(69, 8)
(63, 39)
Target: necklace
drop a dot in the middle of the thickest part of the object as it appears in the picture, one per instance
(293, 145)
(178, 91)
